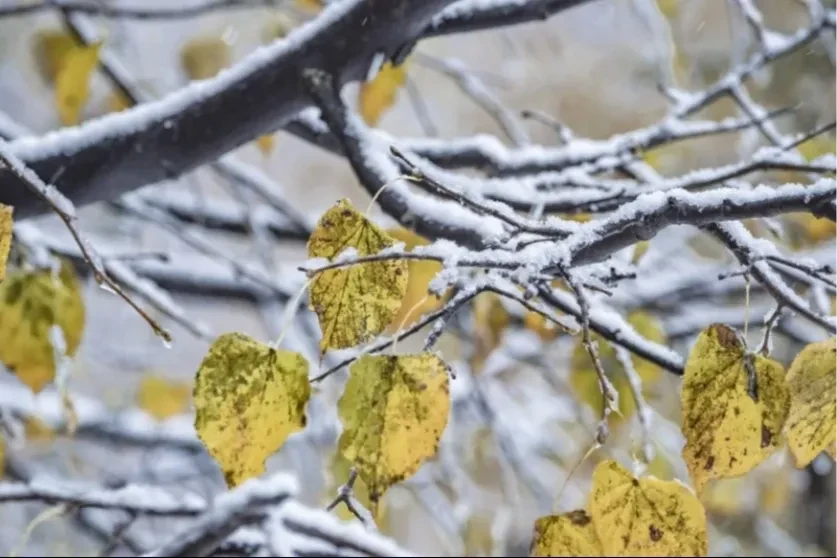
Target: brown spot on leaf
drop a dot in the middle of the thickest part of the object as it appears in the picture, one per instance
(709, 463)
(635, 482)
(736, 410)
(654, 533)
(726, 336)
(579, 517)
(766, 436)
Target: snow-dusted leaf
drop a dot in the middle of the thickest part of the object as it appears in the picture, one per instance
(357, 302)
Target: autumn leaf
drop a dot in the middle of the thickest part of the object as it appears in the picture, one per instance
(36, 429)
(646, 516)
(394, 410)
(416, 301)
(265, 144)
(378, 95)
(51, 48)
(490, 319)
(310, 5)
(204, 57)
(569, 534)
(545, 329)
(6, 225)
(163, 398)
(811, 426)
(816, 147)
(248, 399)
(728, 431)
(31, 302)
(117, 101)
(72, 84)
(584, 380)
(354, 303)
(640, 248)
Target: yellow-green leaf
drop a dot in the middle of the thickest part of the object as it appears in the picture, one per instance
(640, 248)
(6, 225)
(31, 302)
(72, 85)
(394, 410)
(417, 301)
(248, 399)
(727, 431)
(51, 48)
(811, 426)
(584, 380)
(163, 398)
(356, 302)
(378, 95)
(646, 516)
(203, 57)
(569, 534)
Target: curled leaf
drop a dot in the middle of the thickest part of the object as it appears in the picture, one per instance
(646, 516)
(248, 399)
(378, 95)
(734, 406)
(31, 302)
(356, 302)
(394, 410)
(569, 534)
(811, 426)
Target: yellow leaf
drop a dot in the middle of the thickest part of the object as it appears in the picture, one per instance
(310, 5)
(31, 302)
(725, 497)
(811, 426)
(265, 144)
(669, 8)
(490, 318)
(569, 534)
(640, 248)
(645, 517)
(727, 432)
(583, 377)
(817, 147)
(72, 85)
(394, 410)
(51, 49)
(6, 224)
(357, 302)
(162, 398)
(248, 399)
(546, 329)
(378, 95)
(203, 57)
(36, 429)
(417, 301)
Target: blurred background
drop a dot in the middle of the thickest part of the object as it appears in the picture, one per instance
(595, 69)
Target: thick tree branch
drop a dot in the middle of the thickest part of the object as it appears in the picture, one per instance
(197, 124)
